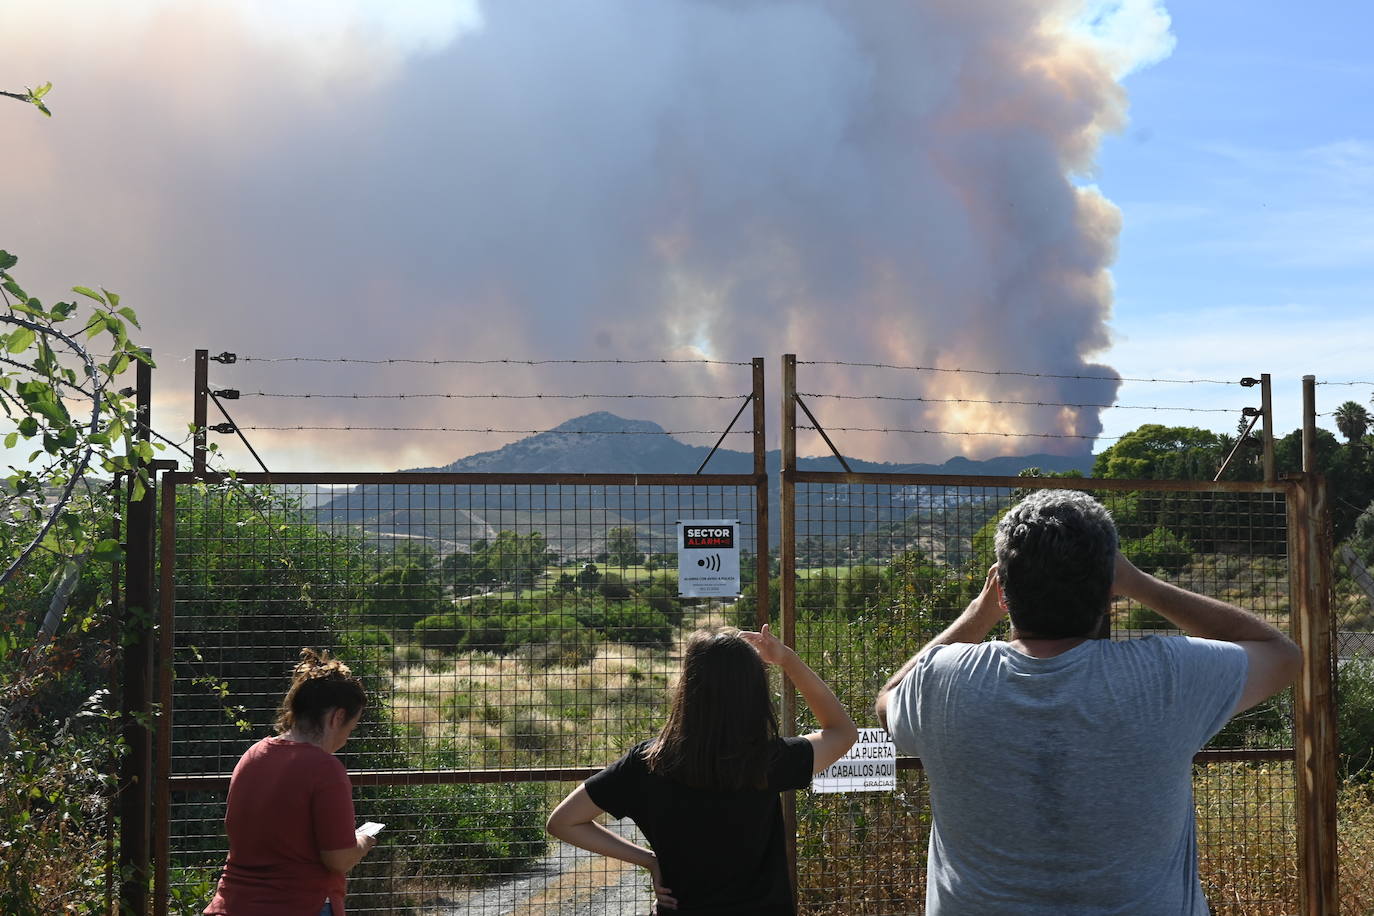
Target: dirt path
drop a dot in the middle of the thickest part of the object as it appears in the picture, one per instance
(567, 882)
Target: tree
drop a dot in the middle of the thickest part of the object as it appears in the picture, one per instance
(1353, 421)
(510, 559)
(404, 592)
(68, 421)
(622, 547)
(1156, 452)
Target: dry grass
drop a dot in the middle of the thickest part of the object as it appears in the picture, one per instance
(866, 854)
(506, 711)
(1355, 848)
(1247, 838)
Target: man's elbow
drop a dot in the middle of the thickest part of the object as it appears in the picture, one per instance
(880, 709)
(1292, 661)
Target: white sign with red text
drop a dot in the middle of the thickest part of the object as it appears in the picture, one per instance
(708, 558)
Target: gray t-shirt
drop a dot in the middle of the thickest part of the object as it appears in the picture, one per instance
(1064, 785)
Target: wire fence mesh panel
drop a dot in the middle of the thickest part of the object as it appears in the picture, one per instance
(884, 564)
(513, 637)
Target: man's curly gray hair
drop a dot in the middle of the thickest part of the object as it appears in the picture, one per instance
(1056, 557)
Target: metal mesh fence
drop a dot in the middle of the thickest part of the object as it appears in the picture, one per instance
(883, 566)
(1354, 685)
(513, 638)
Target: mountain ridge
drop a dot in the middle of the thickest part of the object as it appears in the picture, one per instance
(603, 442)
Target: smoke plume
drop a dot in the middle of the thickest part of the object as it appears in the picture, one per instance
(878, 183)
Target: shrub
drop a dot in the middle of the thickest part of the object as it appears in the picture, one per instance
(661, 594)
(462, 831)
(442, 631)
(1355, 718)
(743, 613)
(613, 588)
(1161, 549)
(1140, 617)
(637, 624)
(487, 634)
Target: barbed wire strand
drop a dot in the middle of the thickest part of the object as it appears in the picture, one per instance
(1368, 510)
(512, 397)
(1356, 382)
(475, 429)
(947, 432)
(1103, 378)
(891, 397)
(490, 362)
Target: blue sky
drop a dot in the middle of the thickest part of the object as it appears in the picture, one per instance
(920, 184)
(1246, 183)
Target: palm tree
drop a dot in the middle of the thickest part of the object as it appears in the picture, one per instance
(1352, 420)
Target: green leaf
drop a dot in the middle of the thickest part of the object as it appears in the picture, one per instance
(43, 108)
(107, 551)
(20, 339)
(129, 314)
(113, 297)
(7, 260)
(41, 90)
(28, 309)
(96, 326)
(15, 290)
(28, 427)
(11, 439)
(89, 293)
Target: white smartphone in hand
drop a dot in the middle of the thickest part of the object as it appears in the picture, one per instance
(371, 828)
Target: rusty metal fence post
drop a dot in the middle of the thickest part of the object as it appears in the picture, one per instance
(136, 629)
(762, 587)
(787, 584)
(1313, 696)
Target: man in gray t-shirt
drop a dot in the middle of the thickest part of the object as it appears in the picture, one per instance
(1060, 763)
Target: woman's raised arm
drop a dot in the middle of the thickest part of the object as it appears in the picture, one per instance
(838, 732)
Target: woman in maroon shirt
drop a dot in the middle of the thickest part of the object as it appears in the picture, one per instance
(290, 810)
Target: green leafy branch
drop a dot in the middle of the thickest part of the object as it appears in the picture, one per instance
(32, 96)
(43, 368)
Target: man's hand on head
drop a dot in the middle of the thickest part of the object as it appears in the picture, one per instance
(989, 606)
(1126, 580)
(972, 626)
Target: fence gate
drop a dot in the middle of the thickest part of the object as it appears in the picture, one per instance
(533, 645)
(872, 565)
(518, 632)
(515, 632)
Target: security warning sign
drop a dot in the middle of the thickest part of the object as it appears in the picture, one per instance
(708, 558)
(869, 766)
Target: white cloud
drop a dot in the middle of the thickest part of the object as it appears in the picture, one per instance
(1132, 34)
